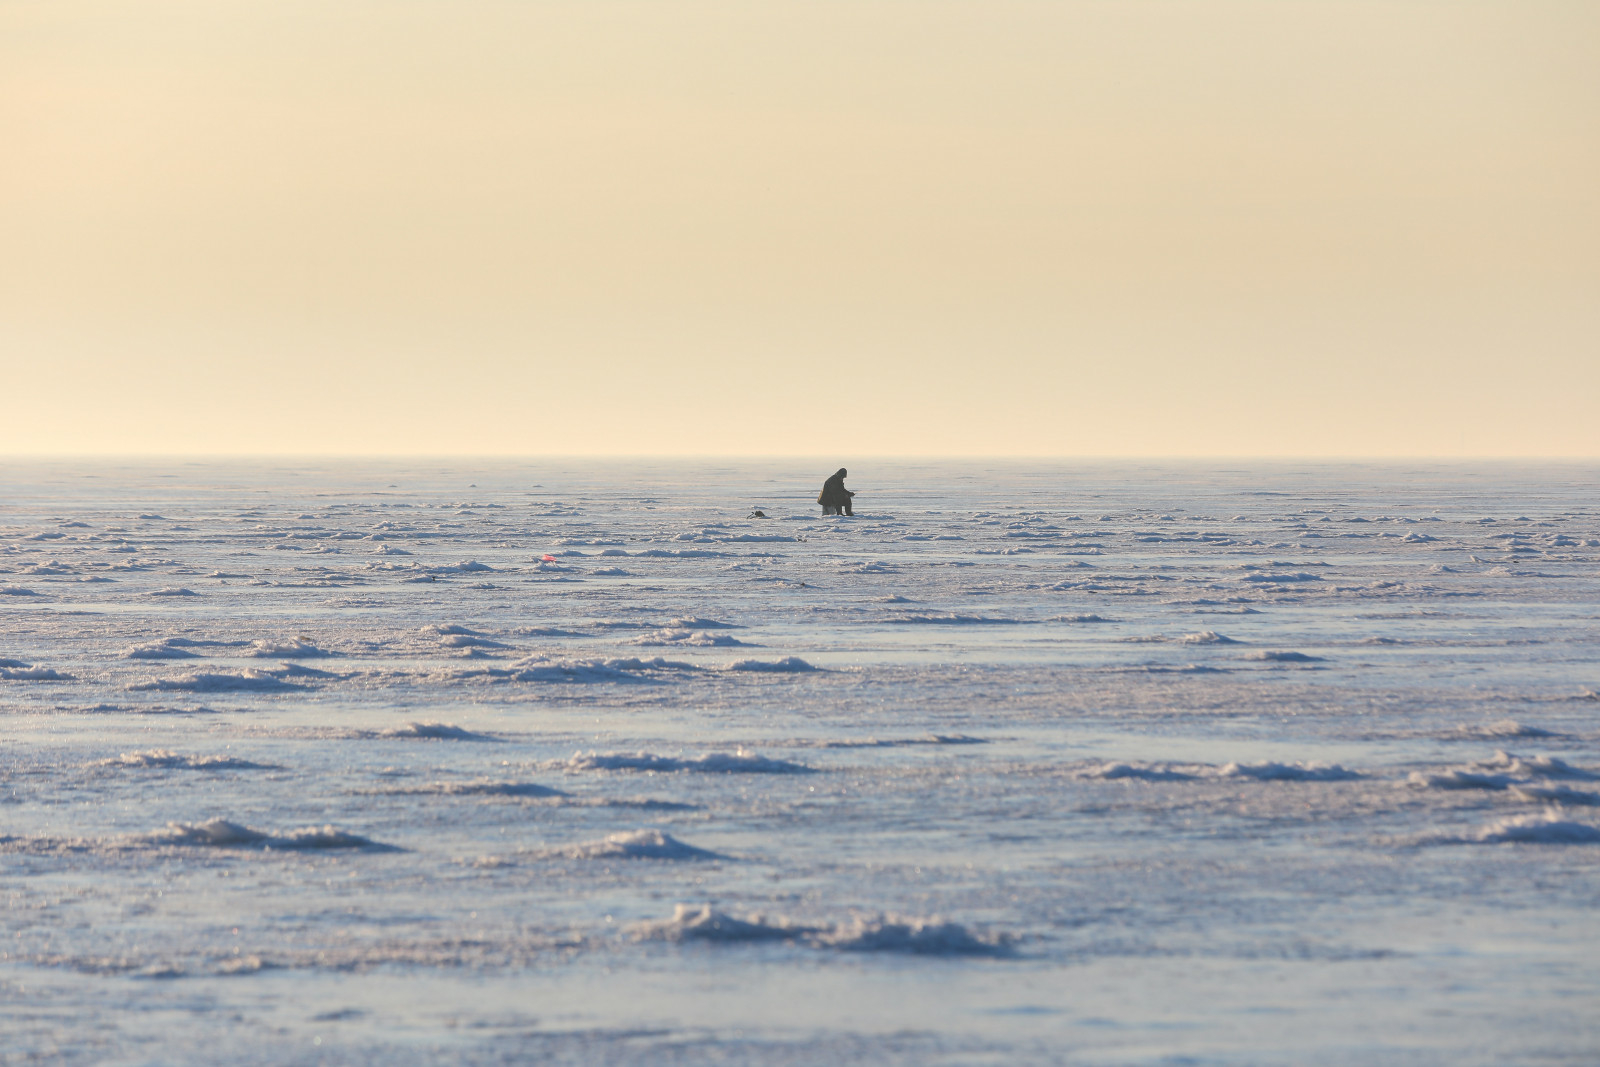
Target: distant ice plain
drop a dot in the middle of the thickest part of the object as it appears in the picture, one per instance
(327, 762)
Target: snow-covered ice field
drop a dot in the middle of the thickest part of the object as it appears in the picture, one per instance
(438, 762)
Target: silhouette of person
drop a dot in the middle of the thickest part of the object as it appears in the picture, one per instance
(835, 498)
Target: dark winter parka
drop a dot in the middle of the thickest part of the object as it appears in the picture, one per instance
(834, 494)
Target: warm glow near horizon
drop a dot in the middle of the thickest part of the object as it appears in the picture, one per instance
(615, 227)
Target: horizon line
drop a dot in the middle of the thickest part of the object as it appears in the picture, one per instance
(219, 457)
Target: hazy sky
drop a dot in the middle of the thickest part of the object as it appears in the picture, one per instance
(840, 228)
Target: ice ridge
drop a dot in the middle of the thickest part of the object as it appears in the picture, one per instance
(736, 762)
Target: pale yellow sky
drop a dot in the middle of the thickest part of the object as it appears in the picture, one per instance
(641, 226)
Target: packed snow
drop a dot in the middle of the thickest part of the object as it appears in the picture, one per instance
(1022, 763)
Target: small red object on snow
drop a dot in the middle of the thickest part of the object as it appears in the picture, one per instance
(548, 559)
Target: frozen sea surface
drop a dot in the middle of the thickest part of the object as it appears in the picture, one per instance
(574, 762)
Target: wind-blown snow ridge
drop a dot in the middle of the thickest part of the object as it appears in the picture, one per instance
(435, 731)
(1555, 794)
(25, 673)
(300, 670)
(1542, 828)
(1278, 578)
(470, 641)
(1187, 772)
(1146, 772)
(704, 923)
(1162, 668)
(165, 759)
(539, 669)
(1459, 779)
(158, 650)
(736, 762)
(634, 845)
(951, 619)
(899, 742)
(1547, 828)
(249, 681)
(1288, 772)
(690, 639)
(478, 788)
(682, 553)
(787, 665)
(1501, 771)
(295, 649)
(1504, 728)
(220, 833)
(1206, 637)
(1535, 767)
(926, 937)
(443, 629)
(451, 635)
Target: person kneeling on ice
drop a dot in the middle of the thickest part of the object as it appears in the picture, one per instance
(835, 498)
